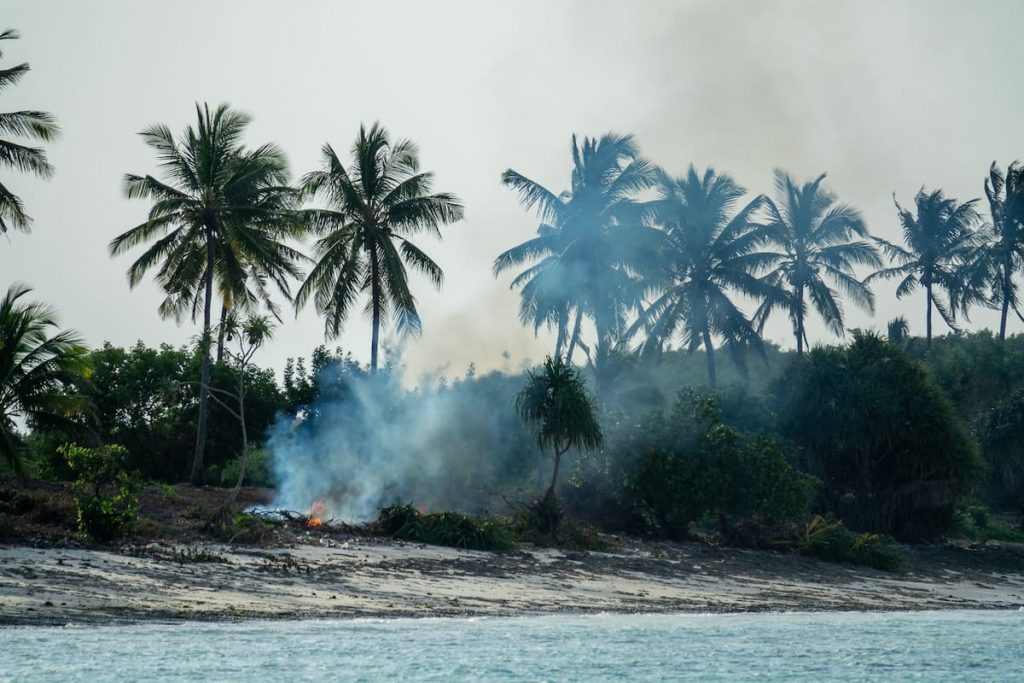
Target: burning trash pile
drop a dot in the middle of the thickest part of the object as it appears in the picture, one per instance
(400, 522)
(317, 519)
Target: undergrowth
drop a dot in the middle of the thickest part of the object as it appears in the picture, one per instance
(830, 540)
(453, 529)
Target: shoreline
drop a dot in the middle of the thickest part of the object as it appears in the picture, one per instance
(327, 578)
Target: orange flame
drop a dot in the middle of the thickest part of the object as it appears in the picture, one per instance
(317, 511)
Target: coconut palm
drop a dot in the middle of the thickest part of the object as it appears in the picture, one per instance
(240, 289)
(221, 211)
(939, 241)
(709, 250)
(40, 368)
(897, 330)
(34, 125)
(556, 398)
(587, 253)
(375, 206)
(819, 242)
(1005, 255)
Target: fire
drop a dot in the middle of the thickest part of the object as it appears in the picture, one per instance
(317, 512)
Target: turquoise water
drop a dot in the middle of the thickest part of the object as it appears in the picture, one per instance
(929, 646)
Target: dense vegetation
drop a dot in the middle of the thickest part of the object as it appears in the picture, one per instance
(640, 273)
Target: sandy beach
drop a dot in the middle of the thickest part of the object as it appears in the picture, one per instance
(371, 577)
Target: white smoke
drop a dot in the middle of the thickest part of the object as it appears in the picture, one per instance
(366, 443)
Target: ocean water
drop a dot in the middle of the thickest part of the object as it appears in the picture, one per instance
(926, 646)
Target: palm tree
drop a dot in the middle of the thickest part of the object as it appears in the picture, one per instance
(374, 207)
(240, 287)
(35, 125)
(1005, 256)
(708, 250)
(39, 371)
(818, 250)
(221, 209)
(556, 397)
(939, 242)
(898, 330)
(590, 244)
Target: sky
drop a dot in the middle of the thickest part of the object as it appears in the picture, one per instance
(886, 97)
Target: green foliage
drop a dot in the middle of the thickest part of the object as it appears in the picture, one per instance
(940, 240)
(1003, 258)
(41, 373)
(168, 493)
(144, 399)
(227, 524)
(830, 540)
(451, 529)
(1002, 439)
(377, 203)
(705, 256)
(592, 244)
(106, 495)
(689, 464)
(257, 471)
(873, 426)
(976, 371)
(557, 399)
(21, 156)
(543, 516)
(818, 243)
(977, 523)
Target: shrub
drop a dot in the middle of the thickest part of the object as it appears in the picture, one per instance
(106, 496)
(452, 529)
(257, 470)
(892, 454)
(691, 465)
(1002, 441)
(830, 540)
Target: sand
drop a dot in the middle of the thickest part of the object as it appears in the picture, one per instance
(371, 577)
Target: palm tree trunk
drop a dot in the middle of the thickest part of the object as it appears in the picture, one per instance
(1007, 283)
(560, 340)
(375, 303)
(709, 349)
(245, 436)
(800, 321)
(550, 494)
(244, 457)
(204, 380)
(220, 332)
(574, 339)
(928, 317)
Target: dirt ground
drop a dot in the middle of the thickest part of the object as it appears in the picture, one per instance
(175, 569)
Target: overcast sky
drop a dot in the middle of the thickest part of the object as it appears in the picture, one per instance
(885, 96)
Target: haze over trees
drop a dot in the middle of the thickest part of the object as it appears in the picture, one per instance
(940, 243)
(819, 243)
(1004, 256)
(590, 248)
(556, 400)
(709, 251)
(639, 270)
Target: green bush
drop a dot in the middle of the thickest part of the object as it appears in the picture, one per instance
(257, 470)
(692, 465)
(106, 496)
(893, 455)
(830, 540)
(452, 529)
(1002, 441)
